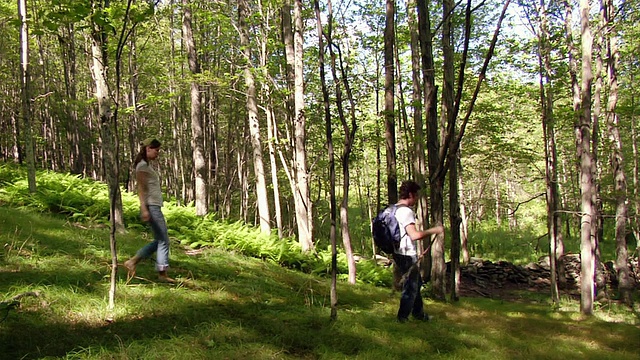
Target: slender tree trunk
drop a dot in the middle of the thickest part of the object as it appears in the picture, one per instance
(636, 181)
(573, 73)
(349, 136)
(436, 183)
(419, 161)
(625, 282)
(496, 195)
(108, 133)
(197, 132)
(26, 96)
(455, 220)
(585, 158)
(76, 136)
(464, 224)
(266, 96)
(403, 117)
(132, 103)
(449, 117)
(332, 166)
(178, 165)
(548, 127)
(390, 129)
(274, 170)
(597, 220)
(304, 210)
(300, 189)
(254, 126)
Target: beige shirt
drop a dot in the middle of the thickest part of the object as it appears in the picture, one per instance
(154, 191)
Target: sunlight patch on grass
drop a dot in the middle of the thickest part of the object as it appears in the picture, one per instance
(516, 315)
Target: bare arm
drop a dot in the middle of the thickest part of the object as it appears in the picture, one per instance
(141, 179)
(414, 234)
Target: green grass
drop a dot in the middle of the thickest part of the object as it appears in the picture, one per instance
(228, 306)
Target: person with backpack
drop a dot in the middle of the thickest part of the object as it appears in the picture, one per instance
(405, 254)
(150, 195)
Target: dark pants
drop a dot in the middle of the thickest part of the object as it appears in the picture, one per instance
(411, 300)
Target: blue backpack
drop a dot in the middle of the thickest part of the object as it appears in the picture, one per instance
(386, 231)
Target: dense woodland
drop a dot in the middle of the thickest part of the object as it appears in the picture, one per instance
(303, 117)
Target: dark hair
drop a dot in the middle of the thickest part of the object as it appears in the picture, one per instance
(142, 154)
(407, 188)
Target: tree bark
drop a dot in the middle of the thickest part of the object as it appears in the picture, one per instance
(332, 166)
(349, 131)
(197, 133)
(26, 96)
(76, 136)
(636, 170)
(108, 133)
(303, 205)
(548, 128)
(419, 159)
(625, 282)
(390, 129)
(585, 158)
(254, 126)
(433, 139)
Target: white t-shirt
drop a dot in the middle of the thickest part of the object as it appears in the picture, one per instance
(154, 191)
(405, 216)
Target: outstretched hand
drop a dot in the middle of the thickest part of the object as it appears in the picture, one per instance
(438, 229)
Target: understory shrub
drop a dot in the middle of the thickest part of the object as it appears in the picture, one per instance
(85, 200)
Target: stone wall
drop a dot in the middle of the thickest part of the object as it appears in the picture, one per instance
(487, 274)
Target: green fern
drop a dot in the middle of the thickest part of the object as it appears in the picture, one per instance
(85, 200)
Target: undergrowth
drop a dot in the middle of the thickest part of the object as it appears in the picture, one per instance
(87, 201)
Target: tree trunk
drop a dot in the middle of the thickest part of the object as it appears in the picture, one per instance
(548, 127)
(26, 96)
(108, 134)
(585, 158)
(76, 136)
(332, 166)
(433, 140)
(625, 282)
(390, 130)
(636, 182)
(299, 179)
(254, 126)
(419, 160)
(267, 99)
(197, 133)
(597, 227)
(304, 207)
(274, 170)
(449, 117)
(349, 137)
(464, 224)
(455, 220)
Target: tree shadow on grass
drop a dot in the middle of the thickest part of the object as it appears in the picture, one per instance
(240, 292)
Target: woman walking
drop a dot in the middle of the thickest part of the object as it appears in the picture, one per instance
(150, 195)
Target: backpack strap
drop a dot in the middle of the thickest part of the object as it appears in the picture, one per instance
(396, 207)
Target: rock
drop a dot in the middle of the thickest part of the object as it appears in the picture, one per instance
(487, 274)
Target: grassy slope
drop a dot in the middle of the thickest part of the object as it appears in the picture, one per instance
(232, 307)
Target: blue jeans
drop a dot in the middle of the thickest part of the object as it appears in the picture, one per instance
(160, 243)
(411, 299)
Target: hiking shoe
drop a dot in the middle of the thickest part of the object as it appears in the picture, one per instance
(164, 278)
(402, 320)
(424, 317)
